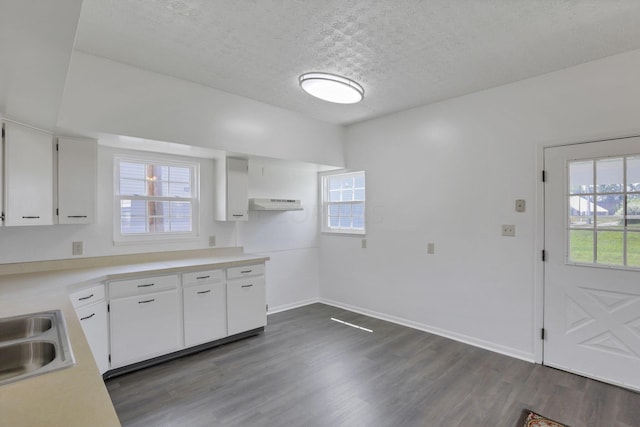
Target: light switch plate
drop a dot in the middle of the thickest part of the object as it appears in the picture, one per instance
(431, 248)
(520, 205)
(364, 243)
(212, 240)
(76, 248)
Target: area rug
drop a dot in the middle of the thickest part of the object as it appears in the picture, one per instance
(531, 419)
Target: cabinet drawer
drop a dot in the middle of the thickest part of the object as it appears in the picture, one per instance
(245, 271)
(140, 286)
(87, 296)
(200, 277)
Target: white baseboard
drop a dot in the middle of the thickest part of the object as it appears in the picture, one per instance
(291, 306)
(487, 345)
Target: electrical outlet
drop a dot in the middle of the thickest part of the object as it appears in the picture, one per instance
(364, 243)
(431, 248)
(508, 230)
(212, 240)
(76, 248)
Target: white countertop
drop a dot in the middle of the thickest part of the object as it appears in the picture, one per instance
(75, 396)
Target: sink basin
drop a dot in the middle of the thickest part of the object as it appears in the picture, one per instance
(33, 344)
(23, 327)
(24, 357)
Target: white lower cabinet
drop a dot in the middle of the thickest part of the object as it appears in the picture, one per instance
(246, 304)
(93, 319)
(144, 326)
(205, 313)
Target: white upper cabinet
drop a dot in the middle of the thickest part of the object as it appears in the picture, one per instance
(233, 190)
(28, 176)
(77, 164)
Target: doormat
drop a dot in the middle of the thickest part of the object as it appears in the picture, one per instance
(531, 419)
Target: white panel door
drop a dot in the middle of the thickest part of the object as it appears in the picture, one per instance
(246, 304)
(28, 176)
(77, 168)
(144, 326)
(592, 268)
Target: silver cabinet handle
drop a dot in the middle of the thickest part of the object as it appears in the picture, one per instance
(84, 298)
(146, 286)
(203, 277)
(245, 271)
(204, 292)
(247, 286)
(146, 301)
(88, 317)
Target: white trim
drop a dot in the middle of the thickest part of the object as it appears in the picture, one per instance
(538, 271)
(324, 204)
(292, 305)
(487, 345)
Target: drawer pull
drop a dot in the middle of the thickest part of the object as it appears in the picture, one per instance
(203, 277)
(204, 292)
(245, 271)
(88, 317)
(146, 286)
(84, 298)
(238, 215)
(76, 216)
(146, 301)
(247, 286)
(31, 217)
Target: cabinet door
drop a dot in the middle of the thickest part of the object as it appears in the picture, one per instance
(237, 189)
(77, 164)
(93, 319)
(144, 326)
(246, 304)
(28, 172)
(205, 313)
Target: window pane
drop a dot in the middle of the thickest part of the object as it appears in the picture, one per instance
(581, 211)
(357, 210)
(345, 222)
(345, 210)
(610, 211)
(633, 249)
(358, 195)
(158, 224)
(633, 211)
(179, 174)
(633, 174)
(129, 187)
(181, 209)
(334, 196)
(179, 190)
(333, 221)
(132, 170)
(581, 246)
(137, 208)
(133, 225)
(347, 183)
(158, 209)
(334, 210)
(581, 177)
(334, 184)
(181, 224)
(609, 175)
(359, 181)
(358, 222)
(610, 247)
(347, 195)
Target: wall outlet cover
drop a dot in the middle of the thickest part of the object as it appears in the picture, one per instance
(508, 230)
(76, 248)
(212, 240)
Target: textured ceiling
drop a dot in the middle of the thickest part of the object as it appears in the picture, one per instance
(405, 53)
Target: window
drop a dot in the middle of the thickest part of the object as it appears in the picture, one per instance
(155, 198)
(604, 211)
(343, 203)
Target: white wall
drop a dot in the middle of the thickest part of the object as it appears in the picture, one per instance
(104, 96)
(290, 238)
(449, 173)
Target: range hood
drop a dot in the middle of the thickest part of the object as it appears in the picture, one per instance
(274, 205)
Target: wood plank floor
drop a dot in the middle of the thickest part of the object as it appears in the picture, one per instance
(306, 370)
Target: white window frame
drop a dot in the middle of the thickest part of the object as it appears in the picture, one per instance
(168, 236)
(325, 203)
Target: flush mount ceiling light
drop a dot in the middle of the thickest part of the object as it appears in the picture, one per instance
(332, 88)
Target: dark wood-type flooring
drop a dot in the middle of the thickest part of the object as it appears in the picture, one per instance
(306, 370)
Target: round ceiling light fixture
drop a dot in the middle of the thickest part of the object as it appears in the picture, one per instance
(332, 88)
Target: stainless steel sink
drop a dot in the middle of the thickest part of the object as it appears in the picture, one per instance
(33, 344)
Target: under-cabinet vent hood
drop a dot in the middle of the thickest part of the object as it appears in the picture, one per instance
(274, 205)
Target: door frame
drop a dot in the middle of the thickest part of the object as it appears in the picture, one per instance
(538, 288)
